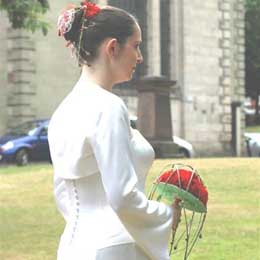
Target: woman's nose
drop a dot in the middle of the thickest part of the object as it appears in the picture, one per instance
(140, 58)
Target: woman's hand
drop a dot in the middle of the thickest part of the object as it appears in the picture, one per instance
(176, 214)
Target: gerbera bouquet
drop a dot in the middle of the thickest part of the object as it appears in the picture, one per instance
(182, 183)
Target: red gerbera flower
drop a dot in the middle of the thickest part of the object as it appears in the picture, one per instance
(186, 180)
(91, 9)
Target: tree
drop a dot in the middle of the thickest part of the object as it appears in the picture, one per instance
(252, 59)
(26, 14)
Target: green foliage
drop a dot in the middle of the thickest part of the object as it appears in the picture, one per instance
(26, 14)
(249, 4)
(252, 30)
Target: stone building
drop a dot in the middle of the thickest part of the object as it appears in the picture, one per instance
(199, 44)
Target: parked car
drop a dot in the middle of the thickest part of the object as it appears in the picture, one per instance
(185, 149)
(253, 144)
(26, 142)
(178, 148)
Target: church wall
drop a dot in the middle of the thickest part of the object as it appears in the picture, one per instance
(201, 75)
(57, 68)
(3, 72)
(206, 101)
(57, 71)
(202, 52)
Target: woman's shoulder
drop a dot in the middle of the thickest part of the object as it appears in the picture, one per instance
(97, 94)
(110, 102)
(116, 103)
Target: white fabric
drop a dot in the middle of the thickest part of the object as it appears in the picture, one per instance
(130, 251)
(100, 166)
(124, 251)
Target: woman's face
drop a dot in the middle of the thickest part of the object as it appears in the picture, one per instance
(128, 57)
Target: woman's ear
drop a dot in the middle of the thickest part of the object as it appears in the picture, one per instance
(112, 48)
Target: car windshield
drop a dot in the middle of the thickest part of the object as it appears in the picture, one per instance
(27, 128)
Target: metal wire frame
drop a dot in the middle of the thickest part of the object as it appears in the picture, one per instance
(190, 237)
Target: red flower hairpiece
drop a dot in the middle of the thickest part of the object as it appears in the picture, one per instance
(67, 15)
(90, 9)
(66, 19)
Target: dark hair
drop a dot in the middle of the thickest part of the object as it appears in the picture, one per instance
(109, 22)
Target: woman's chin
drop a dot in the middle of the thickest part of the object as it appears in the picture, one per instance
(125, 79)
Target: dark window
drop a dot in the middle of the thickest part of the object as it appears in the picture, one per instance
(141, 15)
(165, 37)
(138, 9)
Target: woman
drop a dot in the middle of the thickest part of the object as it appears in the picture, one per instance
(100, 163)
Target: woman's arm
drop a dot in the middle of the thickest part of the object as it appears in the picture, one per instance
(149, 222)
(61, 196)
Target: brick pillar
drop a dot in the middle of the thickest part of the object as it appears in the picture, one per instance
(225, 81)
(232, 64)
(239, 65)
(239, 42)
(153, 38)
(21, 77)
(3, 71)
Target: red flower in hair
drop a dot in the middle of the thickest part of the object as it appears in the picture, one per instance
(186, 180)
(90, 9)
(66, 19)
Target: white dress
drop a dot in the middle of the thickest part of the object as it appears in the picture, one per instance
(100, 165)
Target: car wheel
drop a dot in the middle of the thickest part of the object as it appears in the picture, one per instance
(22, 157)
(184, 153)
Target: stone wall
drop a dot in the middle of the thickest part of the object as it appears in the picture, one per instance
(200, 90)
(206, 58)
(209, 70)
(21, 77)
(57, 70)
(3, 72)
(37, 80)
(232, 66)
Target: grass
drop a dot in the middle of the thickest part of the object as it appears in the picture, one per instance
(253, 129)
(30, 225)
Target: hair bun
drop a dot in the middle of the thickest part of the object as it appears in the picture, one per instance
(73, 34)
(88, 26)
(65, 21)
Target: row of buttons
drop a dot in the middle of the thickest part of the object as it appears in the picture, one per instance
(77, 204)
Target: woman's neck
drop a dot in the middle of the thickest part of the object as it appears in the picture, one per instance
(99, 76)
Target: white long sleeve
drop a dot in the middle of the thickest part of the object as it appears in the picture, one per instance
(149, 222)
(61, 196)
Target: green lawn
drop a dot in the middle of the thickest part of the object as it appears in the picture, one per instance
(253, 129)
(30, 225)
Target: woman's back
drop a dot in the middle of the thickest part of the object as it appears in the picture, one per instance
(90, 217)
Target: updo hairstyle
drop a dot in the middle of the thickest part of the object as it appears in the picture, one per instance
(109, 22)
